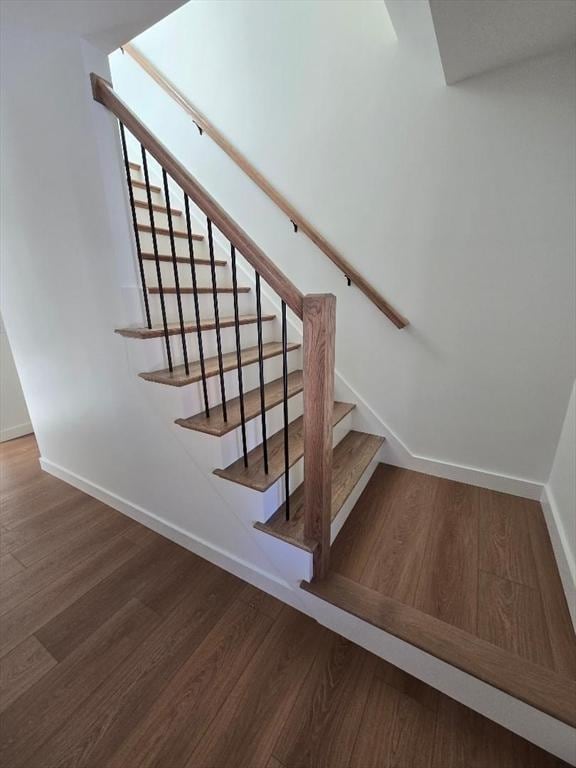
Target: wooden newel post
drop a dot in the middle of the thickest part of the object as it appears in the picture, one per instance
(319, 317)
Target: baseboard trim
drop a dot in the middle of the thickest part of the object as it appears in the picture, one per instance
(246, 571)
(561, 546)
(396, 452)
(11, 433)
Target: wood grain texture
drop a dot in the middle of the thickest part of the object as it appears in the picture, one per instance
(273, 395)
(505, 548)
(408, 740)
(202, 665)
(31, 614)
(21, 668)
(351, 458)
(142, 332)
(88, 542)
(448, 581)
(179, 377)
(74, 680)
(324, 722)
(296, 218)
(268, 689)
(254, 476)
(319, 334)
(396, 545)
(531, 683)
(9, 566)
(511, 616)
(104, 93)
(175, 724)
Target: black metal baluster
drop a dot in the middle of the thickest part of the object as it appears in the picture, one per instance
(196, 306)
(217, 319)
(239, 353)
(285, 404)
(261, 370)
(155, 248)
(175, 268)
(135, 224)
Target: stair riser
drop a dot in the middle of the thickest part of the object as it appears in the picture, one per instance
(230, 445)
(140, 194)
(203, 274)
(180, 244)
(206, 306)
(264, 504)
(161, 219)
(156, 350)
(189, 400)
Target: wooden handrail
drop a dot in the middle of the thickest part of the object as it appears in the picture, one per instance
(299, 222)
(103, 92)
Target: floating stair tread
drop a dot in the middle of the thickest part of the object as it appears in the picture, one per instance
(183, 259)
(166, 231)
(157, 208)
(537, 686)
(350, 459)
(142, 185)
(253, 476)
(179, 377)
(189, 327)
(134, 166)
(169, 289)
(215, 424)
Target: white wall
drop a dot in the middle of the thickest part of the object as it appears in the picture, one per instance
(559, 503)
(67, 251)
(14, 418)
(457, 203)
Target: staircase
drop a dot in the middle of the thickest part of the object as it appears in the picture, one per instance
(256, 359)
(288, 440)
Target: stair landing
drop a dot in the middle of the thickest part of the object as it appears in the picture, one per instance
(465, 573)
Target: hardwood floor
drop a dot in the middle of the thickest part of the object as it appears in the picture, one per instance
(120, 649)
(476, 559)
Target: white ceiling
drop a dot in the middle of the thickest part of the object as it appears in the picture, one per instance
(478, 35)
(106, 23)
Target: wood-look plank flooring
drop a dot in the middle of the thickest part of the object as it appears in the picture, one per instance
(120, 649)
(479, 560)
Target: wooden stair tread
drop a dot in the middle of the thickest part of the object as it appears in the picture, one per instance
(215, 424)
(189, 327)
(179, 378)
(253, 476)
(183, 259)
(350, 460)
(142, 185)
(158, 208)
(169, 289)
(166, 231)
(537, 686)
(134, 166)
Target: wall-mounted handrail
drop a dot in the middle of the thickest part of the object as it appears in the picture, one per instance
(103, 92)
(299, 222)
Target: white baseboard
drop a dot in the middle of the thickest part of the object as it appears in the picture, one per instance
(11, 433)
(397, 453)
(246, 571)
(561, 547)
(518, 717)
